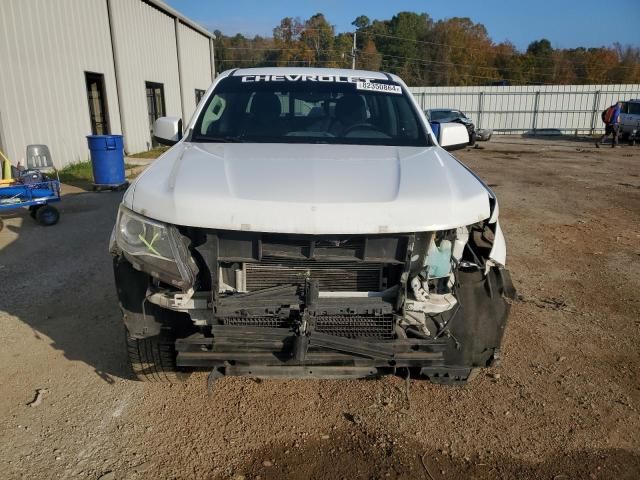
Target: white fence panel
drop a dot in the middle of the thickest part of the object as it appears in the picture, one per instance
(530, 109)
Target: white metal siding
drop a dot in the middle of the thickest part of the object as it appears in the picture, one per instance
(146, 50)
(520, 109)
(196, 66)
(45, 48)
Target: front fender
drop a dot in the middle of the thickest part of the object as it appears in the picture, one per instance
(131, 287)
(499, 250)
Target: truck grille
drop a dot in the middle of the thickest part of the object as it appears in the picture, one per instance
(257, 321)
(331, 275)
(349, 326)
(355, 326)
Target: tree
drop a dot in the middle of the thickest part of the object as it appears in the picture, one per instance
(288, 31)
(540, 61)
(628, 69)
(318, 36)
(540, 48)
(600, 62)
(455, 51)
(288, 49)
(461, 53)
(368, 57)
(563, 70)
(399, 46)
(361, 22)
(508, 64)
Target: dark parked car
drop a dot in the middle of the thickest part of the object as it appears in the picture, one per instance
(443, 115)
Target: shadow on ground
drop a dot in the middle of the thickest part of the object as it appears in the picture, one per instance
(355, 454)
(58, 281)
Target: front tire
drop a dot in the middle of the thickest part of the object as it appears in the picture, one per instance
(153, 359)
(150, 331)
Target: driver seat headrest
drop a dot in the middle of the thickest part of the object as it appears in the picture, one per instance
(351, 108)
(266, 105)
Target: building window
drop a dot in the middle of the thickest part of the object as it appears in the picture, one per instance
(98, 114)
(199, 95)
(155, 105)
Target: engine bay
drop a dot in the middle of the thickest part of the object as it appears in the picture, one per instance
(382, 287)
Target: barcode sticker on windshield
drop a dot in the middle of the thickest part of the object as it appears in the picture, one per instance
(379, 87)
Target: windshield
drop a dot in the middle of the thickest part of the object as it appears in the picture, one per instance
(633, 108)
(309, 109)
(445, 115)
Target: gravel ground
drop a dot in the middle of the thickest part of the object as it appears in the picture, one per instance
(563, 405)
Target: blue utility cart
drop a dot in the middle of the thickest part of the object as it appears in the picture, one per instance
(33, 189)
(36, 196)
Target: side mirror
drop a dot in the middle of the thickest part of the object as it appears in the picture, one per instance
(167, 130)
(453, 136)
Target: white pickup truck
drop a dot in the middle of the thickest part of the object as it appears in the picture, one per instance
(308, 223)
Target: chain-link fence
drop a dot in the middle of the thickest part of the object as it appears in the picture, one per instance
(530, 109)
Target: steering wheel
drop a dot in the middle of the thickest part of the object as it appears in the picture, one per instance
(361, 126)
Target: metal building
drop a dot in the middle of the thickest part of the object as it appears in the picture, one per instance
(71, 68)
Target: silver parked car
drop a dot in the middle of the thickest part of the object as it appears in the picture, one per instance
(630, 120)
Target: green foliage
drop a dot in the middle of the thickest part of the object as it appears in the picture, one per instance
(361, 22)
(76, 172)
(317, 36)
(455, 51)
(79, 173)
(153, 153)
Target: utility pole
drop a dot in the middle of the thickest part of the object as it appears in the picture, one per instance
(353, 52)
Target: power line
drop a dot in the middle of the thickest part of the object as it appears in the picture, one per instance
(467, 48)
(418, 61)
(448, 45)
(470, 75)
(545, 72)
(466, 75)
(314, 62)
(410, 60)
(448, 64)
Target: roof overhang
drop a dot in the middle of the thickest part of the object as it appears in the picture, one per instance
(184, 20)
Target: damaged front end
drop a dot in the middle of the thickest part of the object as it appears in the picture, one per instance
(329, 306)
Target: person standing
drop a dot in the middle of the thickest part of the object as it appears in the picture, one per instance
(611, 119)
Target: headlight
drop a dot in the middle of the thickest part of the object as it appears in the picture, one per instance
(156, 248)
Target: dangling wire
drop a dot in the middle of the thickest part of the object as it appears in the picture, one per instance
(455, 312)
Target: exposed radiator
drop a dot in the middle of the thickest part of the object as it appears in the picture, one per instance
(331, 275)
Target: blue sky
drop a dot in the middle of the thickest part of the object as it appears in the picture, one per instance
(567, 23)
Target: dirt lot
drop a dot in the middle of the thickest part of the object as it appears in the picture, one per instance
(563, 405)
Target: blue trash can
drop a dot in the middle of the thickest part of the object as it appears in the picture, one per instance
(107, 161)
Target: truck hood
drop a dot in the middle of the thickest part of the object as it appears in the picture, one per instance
(309, 189)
